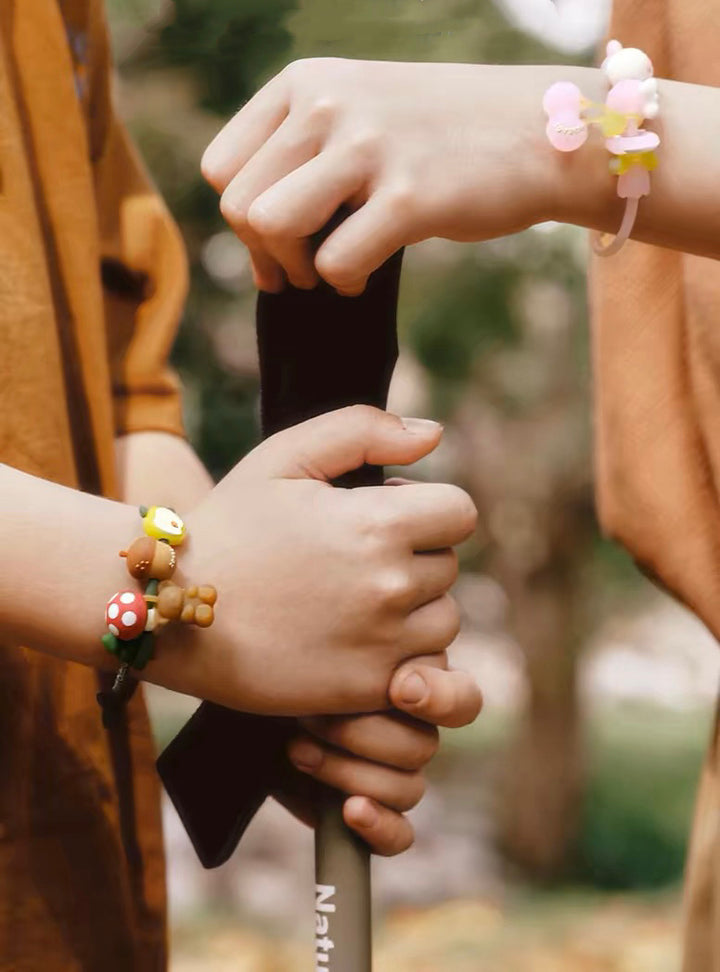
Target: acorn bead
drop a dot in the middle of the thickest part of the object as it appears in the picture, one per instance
(149, 558)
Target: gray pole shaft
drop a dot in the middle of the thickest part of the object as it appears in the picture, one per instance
(343, 922)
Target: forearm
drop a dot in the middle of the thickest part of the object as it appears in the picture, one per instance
(155, 467)
(682, 210)
(60, 565)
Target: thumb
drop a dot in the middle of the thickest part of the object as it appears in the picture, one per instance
(338, 442)
(443, 697)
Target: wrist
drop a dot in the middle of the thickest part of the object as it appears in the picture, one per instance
(201, 662)
(577, 186)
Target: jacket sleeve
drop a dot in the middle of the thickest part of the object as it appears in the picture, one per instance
(144, 266)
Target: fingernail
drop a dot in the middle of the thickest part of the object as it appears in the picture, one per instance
(365, 815)
(420, 426)
(306, 755)
(413, 688)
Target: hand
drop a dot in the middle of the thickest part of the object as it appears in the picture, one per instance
(379, 758)
(323, 592)
(416, 150)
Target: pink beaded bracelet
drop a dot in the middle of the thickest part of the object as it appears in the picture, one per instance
(633, 97)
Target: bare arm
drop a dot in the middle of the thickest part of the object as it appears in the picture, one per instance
(59, 565)
(155, 467)
(457, 151)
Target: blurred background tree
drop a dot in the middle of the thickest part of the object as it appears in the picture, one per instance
(495, 343)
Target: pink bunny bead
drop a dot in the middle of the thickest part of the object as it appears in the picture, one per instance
(565, 129)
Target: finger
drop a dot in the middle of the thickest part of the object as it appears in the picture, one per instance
(435, 515)
(364, 241)
(267, 273)
(286, 149)
(386, 831)
(433, 574)
(337, 442)
(391, 739)
(431, 628)
(245, 133)
(300, 204)
(398, 789)
(443, 698)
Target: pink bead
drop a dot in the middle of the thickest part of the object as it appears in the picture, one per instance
(641, 141)
(565, 129)
(634, 183)
(561, 96)
(626, 97)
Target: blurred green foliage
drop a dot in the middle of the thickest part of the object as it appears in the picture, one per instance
(226, 45)
(644, 765)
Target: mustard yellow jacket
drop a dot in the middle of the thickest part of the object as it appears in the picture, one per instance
(92, 279)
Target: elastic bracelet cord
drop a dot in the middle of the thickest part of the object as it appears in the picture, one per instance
(633, 97)
(135, 617)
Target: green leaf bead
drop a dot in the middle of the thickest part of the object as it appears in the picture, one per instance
(111, 643)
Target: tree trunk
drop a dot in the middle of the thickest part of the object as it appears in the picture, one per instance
(542, 775)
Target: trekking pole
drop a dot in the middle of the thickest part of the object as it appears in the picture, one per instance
(318, 352)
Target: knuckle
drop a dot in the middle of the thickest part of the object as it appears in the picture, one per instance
(266, 222)
(295, 69)
(415, 788)
(428, 749)
(209, 171)
(361, 415)
(450, 620)
(323, 109)
(424, 748)
(393, 587)
(234, 212)
(401, 200)
(336, 268)
(453, 567)
(365, 143)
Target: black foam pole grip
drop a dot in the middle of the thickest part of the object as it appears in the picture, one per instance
(318, 351)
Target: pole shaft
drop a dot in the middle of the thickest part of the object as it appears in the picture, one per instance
(343, 921)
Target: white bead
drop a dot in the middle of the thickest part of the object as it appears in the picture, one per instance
(628, 64)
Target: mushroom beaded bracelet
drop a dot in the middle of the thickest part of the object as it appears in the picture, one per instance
(135, 617)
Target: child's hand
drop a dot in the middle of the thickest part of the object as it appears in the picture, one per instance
(323, 592)
(418, 150)
(378, 759)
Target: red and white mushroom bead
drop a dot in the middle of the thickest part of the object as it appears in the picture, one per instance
(126, 615)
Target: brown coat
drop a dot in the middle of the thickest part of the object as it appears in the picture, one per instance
(656, 327)
(83, 358)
